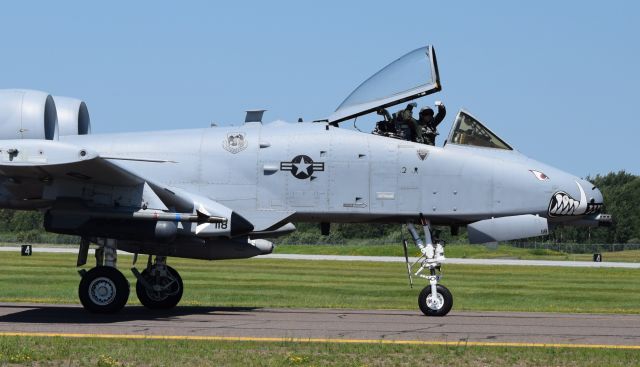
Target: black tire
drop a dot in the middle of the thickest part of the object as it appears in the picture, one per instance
(103, 289)
(446, 297)
(156, 301)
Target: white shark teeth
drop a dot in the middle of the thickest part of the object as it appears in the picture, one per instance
(563, 204)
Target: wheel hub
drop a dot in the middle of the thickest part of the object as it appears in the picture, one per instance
(102, 291)
(162, 287)
(435, 303)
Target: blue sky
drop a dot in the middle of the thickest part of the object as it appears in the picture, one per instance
(557, 80)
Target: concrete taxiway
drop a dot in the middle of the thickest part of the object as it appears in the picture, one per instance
(327, 325)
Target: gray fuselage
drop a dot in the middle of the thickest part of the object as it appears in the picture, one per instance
(343, 176)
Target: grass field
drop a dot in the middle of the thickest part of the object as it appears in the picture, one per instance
(361, 285)
(36, 351)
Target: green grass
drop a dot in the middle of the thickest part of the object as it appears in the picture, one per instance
(361, 285)
(37, 351)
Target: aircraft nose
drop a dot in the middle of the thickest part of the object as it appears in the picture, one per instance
(594, 198)
(577, 197)
(594, 195)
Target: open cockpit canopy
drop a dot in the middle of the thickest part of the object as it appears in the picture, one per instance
(467, 130)
(412, 76)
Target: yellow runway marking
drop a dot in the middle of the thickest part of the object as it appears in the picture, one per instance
(320, 340)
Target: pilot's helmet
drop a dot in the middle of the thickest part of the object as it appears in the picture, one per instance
(426, 111)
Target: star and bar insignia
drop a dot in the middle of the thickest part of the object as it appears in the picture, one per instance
(302, 167)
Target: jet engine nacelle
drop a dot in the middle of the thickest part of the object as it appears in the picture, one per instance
(27, 114)
(73, 116)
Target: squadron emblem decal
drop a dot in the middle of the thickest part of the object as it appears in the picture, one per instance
(302, 167)
(422, 154)
(235, 142)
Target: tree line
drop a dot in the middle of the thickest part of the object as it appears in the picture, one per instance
(621, 192)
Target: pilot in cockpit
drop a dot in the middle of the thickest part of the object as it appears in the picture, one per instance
(407, 126)
(429, 123)
(386, 126)
(402, 125)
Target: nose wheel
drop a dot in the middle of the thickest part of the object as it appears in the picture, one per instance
(434, 299)
(439, 305)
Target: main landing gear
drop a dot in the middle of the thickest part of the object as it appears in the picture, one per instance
(434, 299)
(159, 286)
(104, 289)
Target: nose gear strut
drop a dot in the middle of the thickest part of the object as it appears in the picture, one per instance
(434, 299)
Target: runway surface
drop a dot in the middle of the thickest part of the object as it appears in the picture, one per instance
(495, 262)
(327, 325)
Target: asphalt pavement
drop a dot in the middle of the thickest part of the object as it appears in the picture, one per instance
(327, 325)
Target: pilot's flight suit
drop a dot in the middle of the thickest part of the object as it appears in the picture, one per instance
(429, 123)
(407, 126)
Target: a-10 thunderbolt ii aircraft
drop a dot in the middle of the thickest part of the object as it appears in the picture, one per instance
(217, 193)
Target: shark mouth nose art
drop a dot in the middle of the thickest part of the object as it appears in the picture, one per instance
(562, 204)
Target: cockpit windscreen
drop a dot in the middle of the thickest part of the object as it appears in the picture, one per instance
(411, 71)
(469, 131)
(411, 76)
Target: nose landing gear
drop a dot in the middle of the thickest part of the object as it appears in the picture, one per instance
(434, 299)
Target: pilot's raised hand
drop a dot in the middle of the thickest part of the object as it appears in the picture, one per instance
(439, 103)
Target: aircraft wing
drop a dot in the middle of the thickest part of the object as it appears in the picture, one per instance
(25, 163)
(47, 160)
(76, 181)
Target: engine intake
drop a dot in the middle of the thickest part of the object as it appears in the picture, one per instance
(73, 116)
(27, 114)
